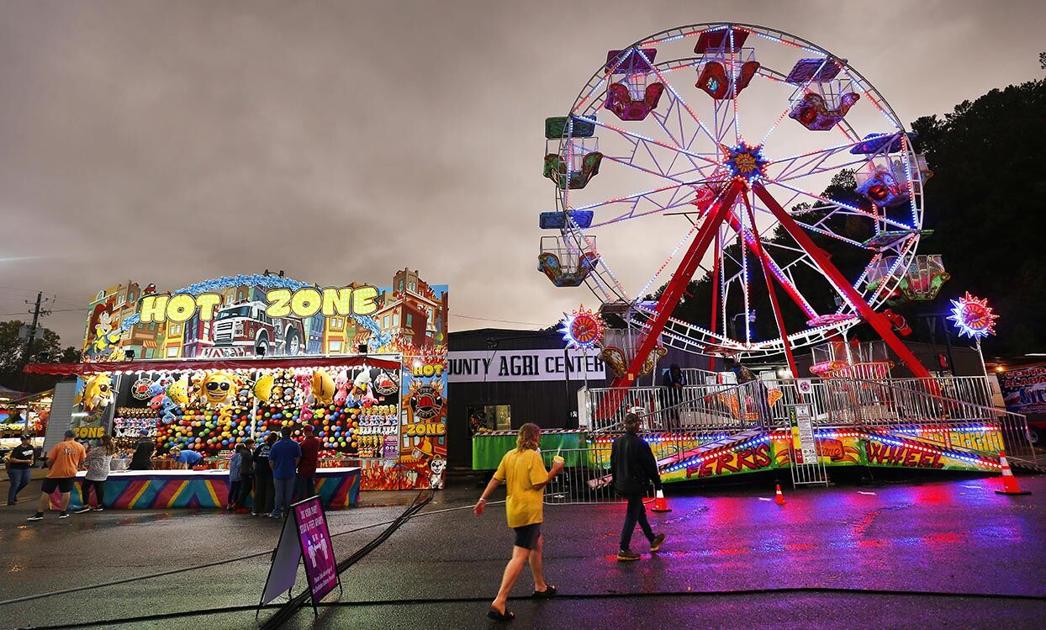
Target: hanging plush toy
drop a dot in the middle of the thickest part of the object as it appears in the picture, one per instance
(163, 403)
(322, 387)
(178, 392)
(362, 389)
(263, 387)
(217, 388)
(302, 388)
(97, 393)
(341, 386)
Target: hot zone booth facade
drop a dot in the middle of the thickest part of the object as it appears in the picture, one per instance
(210, 365)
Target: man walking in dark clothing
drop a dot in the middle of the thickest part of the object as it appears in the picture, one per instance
(633, 469)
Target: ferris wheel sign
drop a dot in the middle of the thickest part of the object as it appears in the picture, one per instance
(582, 329)
(724, 175)
(973, 317)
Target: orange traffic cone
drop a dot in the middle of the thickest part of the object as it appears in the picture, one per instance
(778, 497)
(660, 505)
(1009, 482)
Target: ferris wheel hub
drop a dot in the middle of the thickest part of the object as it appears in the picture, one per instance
(745, 161)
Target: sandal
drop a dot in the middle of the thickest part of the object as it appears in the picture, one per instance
(508, 615)
(550, 591)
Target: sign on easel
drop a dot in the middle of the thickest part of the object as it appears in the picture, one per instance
(305, 536)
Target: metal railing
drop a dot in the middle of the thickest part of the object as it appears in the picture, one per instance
(585, 477)
(697, 376)
(692, 407)
(937, 409)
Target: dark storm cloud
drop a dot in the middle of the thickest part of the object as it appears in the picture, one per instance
(173, 141)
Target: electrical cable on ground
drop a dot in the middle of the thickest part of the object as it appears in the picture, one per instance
(77, 589)
(485, 599)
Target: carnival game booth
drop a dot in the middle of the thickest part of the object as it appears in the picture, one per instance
(209, 366)
(209, 406)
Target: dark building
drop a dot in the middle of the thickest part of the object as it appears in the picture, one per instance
(511, 377)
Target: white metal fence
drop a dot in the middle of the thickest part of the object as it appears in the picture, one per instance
(935, 407)
(585, 477)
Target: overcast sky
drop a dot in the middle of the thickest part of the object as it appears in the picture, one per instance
(175, 141)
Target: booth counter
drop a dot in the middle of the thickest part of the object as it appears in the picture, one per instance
(165, 489)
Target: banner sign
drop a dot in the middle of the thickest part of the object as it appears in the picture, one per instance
(304, 536)
(263, 315)
(478, 366)
(1024, 390)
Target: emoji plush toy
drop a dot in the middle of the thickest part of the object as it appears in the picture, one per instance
(217, 388)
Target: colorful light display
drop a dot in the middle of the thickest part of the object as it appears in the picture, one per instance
(745, 161)
(973, 317)
(582, 329)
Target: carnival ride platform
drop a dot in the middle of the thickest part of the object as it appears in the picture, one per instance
(713, 431)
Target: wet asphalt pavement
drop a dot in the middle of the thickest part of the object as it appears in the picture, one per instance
(932, 554)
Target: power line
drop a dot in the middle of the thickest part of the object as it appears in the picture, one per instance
(503, 321)
(56, 310)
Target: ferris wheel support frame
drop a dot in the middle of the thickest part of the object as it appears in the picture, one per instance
(708, 232)
(878, 322)
(715, 295)
(671, 295)
(768, 278)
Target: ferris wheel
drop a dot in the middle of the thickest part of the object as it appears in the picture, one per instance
(703, 152)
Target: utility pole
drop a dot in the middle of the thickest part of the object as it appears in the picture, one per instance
(27, 354)
(37, 311)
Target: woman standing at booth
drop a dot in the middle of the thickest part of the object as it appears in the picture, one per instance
(99, 463)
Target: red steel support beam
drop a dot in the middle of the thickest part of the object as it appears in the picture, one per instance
(787, 286)
(757, 249)
(715, 295)
(878, 322)
(669, 299)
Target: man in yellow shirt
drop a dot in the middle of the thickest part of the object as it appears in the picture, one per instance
(64, 460)
(525, 478)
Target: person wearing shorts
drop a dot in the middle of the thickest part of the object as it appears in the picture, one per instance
(525, 478)
(64, 459)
